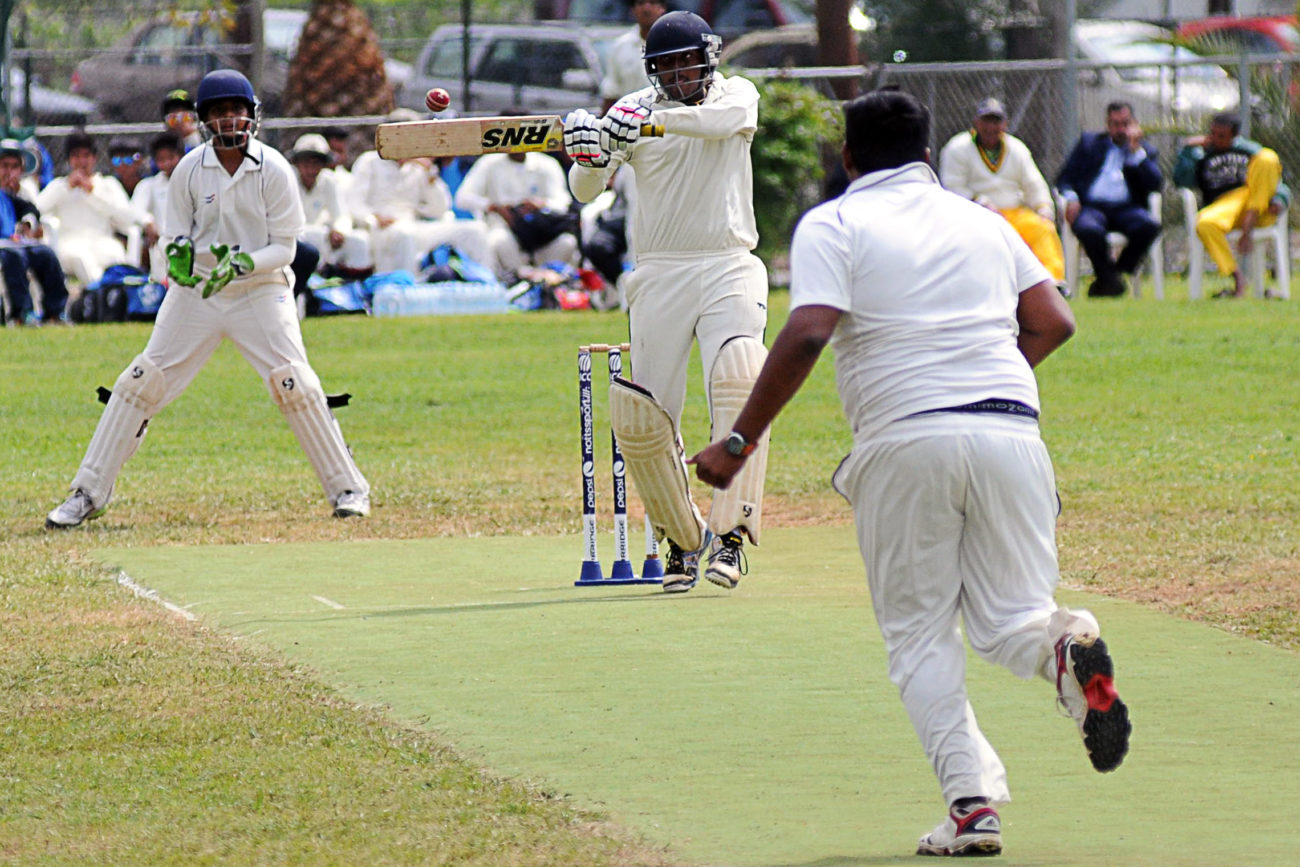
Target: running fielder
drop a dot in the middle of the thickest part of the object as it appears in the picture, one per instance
(938, 313)
(695, 279)
(232, 216)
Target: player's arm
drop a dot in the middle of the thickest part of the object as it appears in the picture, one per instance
(735, 113)
(1046, 321)
(792, 358)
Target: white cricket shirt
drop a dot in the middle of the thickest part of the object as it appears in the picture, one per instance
(257, 208)
(695, 185)
(929, 283)
(1013, 182)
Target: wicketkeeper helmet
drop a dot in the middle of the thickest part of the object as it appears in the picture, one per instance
(228, 84)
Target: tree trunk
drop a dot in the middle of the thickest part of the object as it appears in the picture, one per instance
(837, 43)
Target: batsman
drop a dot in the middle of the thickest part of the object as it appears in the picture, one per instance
(233, 214)
(696, 278)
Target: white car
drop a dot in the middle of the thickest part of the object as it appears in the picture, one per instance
(544, 67)
(1184, 95)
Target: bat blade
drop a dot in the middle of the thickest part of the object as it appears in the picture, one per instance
(469, 136)
(473, 136)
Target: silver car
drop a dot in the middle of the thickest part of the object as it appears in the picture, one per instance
(541, 68)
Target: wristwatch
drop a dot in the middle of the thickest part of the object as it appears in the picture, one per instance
(737, 446)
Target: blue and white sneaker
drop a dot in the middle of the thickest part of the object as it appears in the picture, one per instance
(978, 832)
(73, 512)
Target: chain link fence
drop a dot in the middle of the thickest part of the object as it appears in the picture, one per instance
(1049, 101)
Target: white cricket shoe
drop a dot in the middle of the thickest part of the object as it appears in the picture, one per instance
(979, 832)
(727, 560)
(73, 512)
(1085, 689)
(352, 504)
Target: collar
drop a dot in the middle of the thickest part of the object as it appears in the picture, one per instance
(254, 153)
(917, 172)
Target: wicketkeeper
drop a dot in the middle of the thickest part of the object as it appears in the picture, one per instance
(232, 216)
(695, 279)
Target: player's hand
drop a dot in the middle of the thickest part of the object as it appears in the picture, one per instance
(1072, 209)
(621, 126)
(231, 264)
(582, 136)
(716, 466)
(180, 262)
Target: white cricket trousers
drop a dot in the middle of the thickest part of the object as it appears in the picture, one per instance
(956, 521)
(262, 321)
(673, 299)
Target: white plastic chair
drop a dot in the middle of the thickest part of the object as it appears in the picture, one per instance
(1155, 256)
(1275, 237)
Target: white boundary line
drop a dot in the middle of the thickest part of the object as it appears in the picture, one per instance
(330, 602)
(152, 595)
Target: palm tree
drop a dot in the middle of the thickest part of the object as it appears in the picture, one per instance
(338, 70)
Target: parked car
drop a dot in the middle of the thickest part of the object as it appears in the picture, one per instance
(50, 107)
(173, 51)
(729, 18)
(1275, 34)
(543, 67)
(1157, 92)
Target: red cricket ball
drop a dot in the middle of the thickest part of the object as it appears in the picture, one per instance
(437, 99)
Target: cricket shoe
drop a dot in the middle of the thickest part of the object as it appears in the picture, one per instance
(683, 567)
(1085, 689)
(352, 504)
(979, 832)
(727, 560)
(73, 512)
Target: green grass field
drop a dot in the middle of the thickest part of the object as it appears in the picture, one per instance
(466, 705)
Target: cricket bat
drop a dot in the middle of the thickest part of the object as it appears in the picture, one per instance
(476, 135)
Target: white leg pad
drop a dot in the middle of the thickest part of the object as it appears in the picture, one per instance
(296, 389)
(730, 381)
(137, 395)
(655, 460)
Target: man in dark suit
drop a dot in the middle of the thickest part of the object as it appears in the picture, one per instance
(1106, 183)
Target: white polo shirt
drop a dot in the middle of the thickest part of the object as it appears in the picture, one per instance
(257, 208)
(929, 283)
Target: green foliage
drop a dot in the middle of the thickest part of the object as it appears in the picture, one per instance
(798, 130)
(932, 31)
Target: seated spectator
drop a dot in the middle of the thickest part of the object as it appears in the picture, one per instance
(515, 194)
(344, 251)
(995, 169)
(21, 247)
(128, 164)
(341, 157)
(1241, 187)
(182, 118)
(88, 211)
(1106, 182)
(406, 207)
(149, 201)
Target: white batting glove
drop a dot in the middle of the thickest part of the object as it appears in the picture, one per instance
(582, 140)
(621, 127)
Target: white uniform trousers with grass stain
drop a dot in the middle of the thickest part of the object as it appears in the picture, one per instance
(956, 522)
(262, 321)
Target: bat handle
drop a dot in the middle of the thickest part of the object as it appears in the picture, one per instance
(655, 130)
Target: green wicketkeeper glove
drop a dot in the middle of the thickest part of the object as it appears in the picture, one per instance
(180, 262)
(231, 263)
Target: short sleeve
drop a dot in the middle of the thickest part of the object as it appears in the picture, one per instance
(820, 262)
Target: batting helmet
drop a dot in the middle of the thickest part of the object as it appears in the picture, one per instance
(228, 84)
(676, 33)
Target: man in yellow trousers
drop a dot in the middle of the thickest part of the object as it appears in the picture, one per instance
(995, 169)
(1241, 188)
